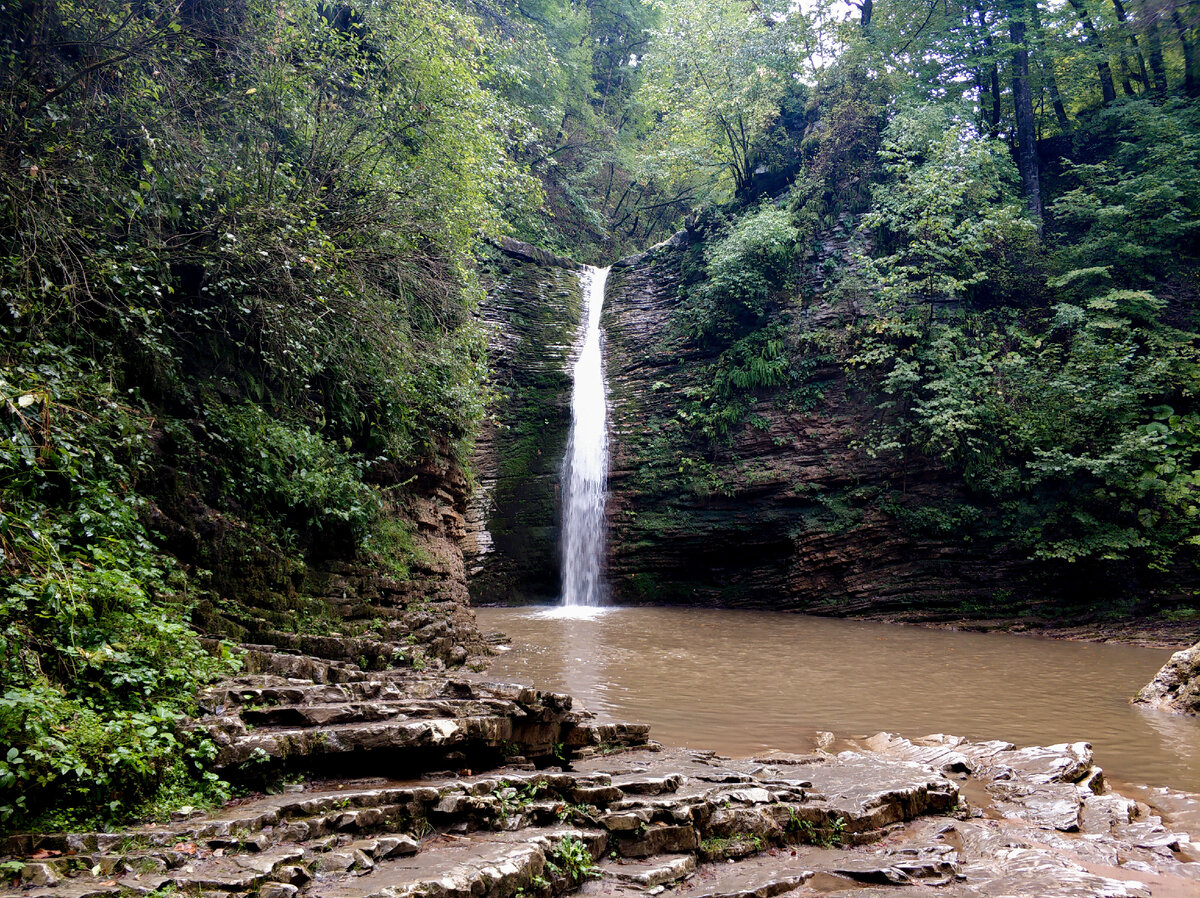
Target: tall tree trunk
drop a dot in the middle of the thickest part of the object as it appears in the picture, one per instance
(989, 97)
(1027, 158)
(1093, 42)
(868, 9)
(1127, 75)
(1191, 64)
(1047, 66)
(1131, 39)
(1158, 69)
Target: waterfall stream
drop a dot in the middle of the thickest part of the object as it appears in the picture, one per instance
(585, 469)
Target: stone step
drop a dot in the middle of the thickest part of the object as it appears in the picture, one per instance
(268, 659)
(762, 877)
(274, 691)
(651, 872)
(323, 714)
(295, 745)
(475, 866)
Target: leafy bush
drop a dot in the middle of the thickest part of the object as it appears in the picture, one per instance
(301, 476)
(946, 211)
(745, 271)
(1079, 429)
(97, 662)
(1135, 208)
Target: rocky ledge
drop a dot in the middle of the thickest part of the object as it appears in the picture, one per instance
(497, 791)
(1176, 687)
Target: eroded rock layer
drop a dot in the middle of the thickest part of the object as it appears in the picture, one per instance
(788, 515)
(531, 316)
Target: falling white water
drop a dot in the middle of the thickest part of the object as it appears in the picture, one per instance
(586, 466)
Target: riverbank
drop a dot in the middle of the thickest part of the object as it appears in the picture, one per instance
(1156, 632)
(406, 784)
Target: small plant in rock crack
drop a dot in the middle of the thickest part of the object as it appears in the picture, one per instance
(572, 859)
(738, 844)
(511, 800)
(571, 811)
(831, 835)
(10, 871)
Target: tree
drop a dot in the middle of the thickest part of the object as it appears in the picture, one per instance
(945, 208)
(716, 74)
(1026, 131)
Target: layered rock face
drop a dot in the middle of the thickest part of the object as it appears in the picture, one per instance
(1176, 687)
(353, 608)
(788, 515)
(531, 316)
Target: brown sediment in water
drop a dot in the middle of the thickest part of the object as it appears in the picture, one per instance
(746, 682)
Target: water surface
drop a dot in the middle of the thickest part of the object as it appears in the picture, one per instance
(745, 682)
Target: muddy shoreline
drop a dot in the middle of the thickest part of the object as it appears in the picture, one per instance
(1148, 633)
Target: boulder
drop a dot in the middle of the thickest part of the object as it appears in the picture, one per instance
(1176, 687)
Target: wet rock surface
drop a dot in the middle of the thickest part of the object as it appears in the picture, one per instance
(791, 495)
(609, 814)
(298, 714)
(531, 316)
(1176, 687)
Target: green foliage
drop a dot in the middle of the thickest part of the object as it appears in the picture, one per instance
(755, 364)
(745, 273)
(96, 659)
(945, 210)
(831, 834)
(512, 801)
(717, 73)
(289, 471)
(572, 859)
(1135, 211)
(391, 544)
(1080, 427)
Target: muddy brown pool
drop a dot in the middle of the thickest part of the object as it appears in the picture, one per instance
(745, 682)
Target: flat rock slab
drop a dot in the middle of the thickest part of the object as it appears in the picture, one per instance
(759, 877)
(868, 792)
(453, 869)
(650, 872)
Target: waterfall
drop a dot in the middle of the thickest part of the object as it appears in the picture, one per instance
(585, 469)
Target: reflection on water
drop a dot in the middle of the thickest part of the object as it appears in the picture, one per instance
(744, 682)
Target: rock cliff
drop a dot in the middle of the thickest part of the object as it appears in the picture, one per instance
(793, 513)
(531, 316)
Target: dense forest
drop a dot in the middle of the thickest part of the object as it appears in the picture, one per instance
(238, 260)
